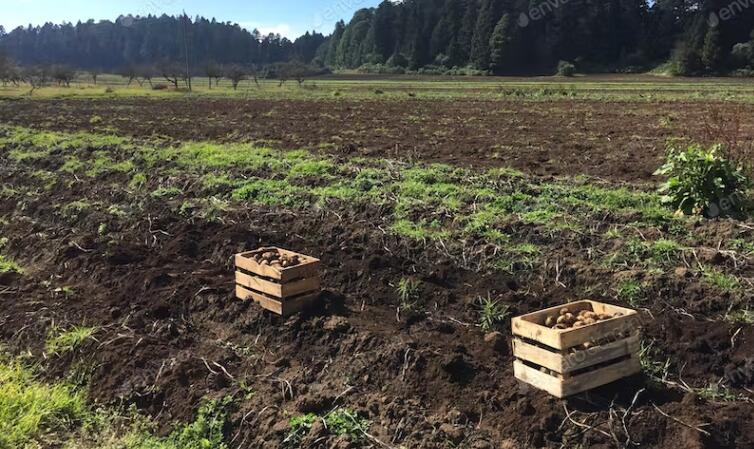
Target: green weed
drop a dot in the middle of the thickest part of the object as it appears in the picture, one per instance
(63, 341)
(491, 313)
(632, 292)
(34, 414)
(341, 421)
(724, 282)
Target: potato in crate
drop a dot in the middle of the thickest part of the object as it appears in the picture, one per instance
(281, 281)
(577, 347)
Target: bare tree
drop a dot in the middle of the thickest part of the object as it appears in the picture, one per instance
(254, 72)
(236, 74)
(173, 73)
(146, 73)
(94, 73)
(293, 70)
(213, 70)
(63, 75)
(128, 72)
(37, 77)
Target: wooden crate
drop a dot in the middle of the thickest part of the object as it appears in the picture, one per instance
(284, 291)
(556, 361)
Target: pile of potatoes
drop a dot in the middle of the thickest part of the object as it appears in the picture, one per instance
(568, 319)
(276, 260)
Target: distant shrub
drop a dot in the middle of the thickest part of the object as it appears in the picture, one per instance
(703, 181)
(565, 68)
(160, 86)
(109, 90)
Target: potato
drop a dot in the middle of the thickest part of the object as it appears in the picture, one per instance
(564, 310)
(561, 326)
(551, 321)
(579, 324)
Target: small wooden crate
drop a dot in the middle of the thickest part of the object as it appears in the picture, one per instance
(284, 291)
(556, 361)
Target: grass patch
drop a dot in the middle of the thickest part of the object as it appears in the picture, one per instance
(34, 414)
(9, 266)
(167, 192)
(724, 282)
(63, 341)
(268, 192)
(631, 292)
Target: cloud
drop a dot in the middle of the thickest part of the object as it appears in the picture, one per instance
(283, 29)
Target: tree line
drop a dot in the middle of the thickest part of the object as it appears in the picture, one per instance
(534, 36)
(425, 36)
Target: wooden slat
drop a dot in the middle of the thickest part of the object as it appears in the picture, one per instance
(284, 308)
(277, 290)
(531, 326)
(563, 362)
(578, 384)
(601, 354)
(602, 376)
(551, 360)
(259, 284)
(309, 266)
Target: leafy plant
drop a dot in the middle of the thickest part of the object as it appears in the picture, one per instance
(491, 313)
(341, 421)
(703, 181)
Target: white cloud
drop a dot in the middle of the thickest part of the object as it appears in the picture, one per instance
(282, 29)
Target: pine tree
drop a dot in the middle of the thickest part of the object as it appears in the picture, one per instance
(332, 45)
(502, 46)
(712, 53)
(480, 45)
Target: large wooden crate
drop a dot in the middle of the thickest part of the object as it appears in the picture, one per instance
(571, 361)
(284, 291)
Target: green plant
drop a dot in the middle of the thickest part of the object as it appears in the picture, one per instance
(341, 421)
(9, 266)
(62, 341)
(167, 192)
(631, 291)
(408, 289)
(491, 313)
(703, 181)
(656, 370)
(33, 413)
(745, 316)
(207, 431)
(723, 282)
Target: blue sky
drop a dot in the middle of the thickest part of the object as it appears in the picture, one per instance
(287, 17)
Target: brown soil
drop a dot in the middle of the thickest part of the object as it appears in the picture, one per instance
(160, 287)
(621, 141)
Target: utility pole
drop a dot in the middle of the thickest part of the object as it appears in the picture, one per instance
(186, 47)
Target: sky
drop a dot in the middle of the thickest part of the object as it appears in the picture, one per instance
(288, 17)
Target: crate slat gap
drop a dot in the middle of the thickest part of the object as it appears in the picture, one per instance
(283, 291)
(556, 361)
